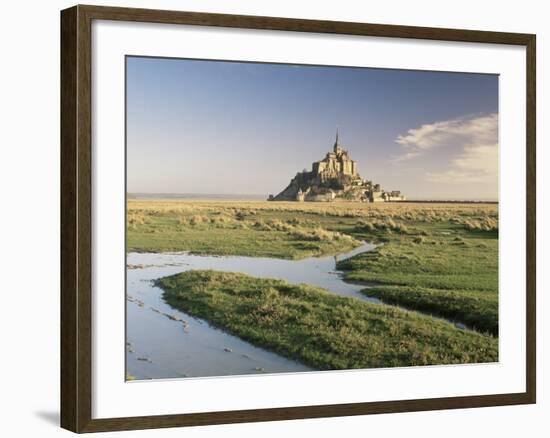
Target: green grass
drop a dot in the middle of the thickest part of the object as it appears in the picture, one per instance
(452, 272)
(234, 233)
(322, 329)
(440, 259)
(474, 309)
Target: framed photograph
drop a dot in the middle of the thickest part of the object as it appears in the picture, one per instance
(270, 218)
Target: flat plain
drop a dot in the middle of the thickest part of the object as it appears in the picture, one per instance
(435, 270)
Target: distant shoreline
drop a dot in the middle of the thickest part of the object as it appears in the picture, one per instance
(237, 197)
(435, 201)
(205, 196)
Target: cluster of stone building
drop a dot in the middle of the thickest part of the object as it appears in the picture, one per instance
(334, 177)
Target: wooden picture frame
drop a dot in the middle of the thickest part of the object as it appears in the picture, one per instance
(76, 217)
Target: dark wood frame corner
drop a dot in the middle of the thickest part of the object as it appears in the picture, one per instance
(76, 238)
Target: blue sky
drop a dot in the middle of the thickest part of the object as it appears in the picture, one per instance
(246, 128)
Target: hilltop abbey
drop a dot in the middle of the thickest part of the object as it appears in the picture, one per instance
(334, 177)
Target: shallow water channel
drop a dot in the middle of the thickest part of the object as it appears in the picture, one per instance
(163, 342)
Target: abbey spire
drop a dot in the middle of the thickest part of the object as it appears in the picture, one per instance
(337, 148)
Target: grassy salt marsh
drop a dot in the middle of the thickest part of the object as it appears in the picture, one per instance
(438, 259)
(233, 228)
(319, 328)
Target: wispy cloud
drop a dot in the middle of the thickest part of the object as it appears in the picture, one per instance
(475, 140)
(477, 164)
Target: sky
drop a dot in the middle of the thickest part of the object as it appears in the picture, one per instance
(215, 127)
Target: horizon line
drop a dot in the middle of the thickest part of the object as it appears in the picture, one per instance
(184, 195)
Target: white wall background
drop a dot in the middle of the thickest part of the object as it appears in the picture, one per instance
(29, 218)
